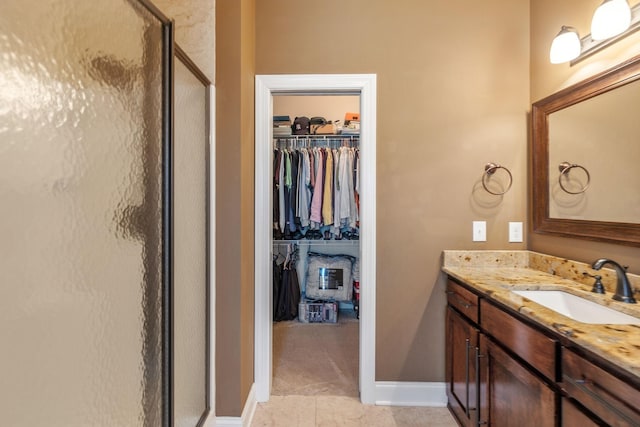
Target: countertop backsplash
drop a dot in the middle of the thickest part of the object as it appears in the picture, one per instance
(561, 267)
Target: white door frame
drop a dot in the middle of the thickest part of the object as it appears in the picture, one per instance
(211, 417)
(266, 85)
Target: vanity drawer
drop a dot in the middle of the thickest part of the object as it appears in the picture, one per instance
(463, 300)
(530, 344)
(614, 401)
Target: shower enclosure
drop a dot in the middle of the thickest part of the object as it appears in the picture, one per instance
(95, 290)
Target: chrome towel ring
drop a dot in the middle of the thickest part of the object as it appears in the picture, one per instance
(490, 169)
(565, 168)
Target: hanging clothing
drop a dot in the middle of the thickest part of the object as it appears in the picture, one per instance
(356, 171)
(286, 291)
(276, 193)
(287, 194)
(327, 202)
(316, 202)
(293, 190)
(277, 285)
(353, 211)
(304, 192)
(281, 216)
(316, 192)
(336, 192)
(345, 192)
(312, 168)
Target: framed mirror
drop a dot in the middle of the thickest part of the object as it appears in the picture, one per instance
(586, 158)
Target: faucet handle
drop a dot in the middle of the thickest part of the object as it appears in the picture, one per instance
(598, 287)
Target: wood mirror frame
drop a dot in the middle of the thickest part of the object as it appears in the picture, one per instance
(614, 232)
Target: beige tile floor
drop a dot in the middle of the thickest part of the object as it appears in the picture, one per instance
(317, 385)
(329, 411)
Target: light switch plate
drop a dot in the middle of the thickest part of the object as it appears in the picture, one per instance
(479, 231)
(515, 232)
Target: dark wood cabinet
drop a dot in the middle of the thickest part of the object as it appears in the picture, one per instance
(462, 344)
(504, 370)
(510, 394)
(486, 385)
(616, 402)
(572, 416)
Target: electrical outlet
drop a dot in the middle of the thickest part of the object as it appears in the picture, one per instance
(515, 232)
(479, 231)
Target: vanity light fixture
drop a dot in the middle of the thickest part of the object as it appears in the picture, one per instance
(566, 46)
(611, 18)
(612, 21)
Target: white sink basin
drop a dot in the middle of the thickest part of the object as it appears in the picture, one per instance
(579, 309)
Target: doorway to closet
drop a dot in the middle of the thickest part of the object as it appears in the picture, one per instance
(316, 246)
(362, 88)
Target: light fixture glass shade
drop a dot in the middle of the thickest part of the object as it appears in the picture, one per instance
(566, 46)
(611, 18)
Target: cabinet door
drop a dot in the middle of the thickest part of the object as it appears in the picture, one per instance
(510, 394)
(574, 417)
(462, 340)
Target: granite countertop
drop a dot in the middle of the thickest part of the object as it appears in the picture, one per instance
(496, 273)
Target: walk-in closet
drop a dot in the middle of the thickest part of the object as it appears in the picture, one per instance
(316, 244)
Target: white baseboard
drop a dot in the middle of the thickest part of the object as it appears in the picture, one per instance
(210, 421)
(228, 422)
(391, 393)
(247, 413)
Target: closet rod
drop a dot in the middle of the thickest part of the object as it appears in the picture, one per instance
(328, 140)
(332, 136)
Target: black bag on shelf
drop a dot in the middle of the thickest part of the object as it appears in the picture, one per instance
(318, 121)
(301, 126)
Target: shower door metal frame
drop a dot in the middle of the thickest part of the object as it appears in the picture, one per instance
(167, 203)
(193, 68)
(170, 51)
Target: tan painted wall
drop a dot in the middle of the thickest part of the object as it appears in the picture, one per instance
(547, 16)
(247, 162)
(234, 203)
(452, 95)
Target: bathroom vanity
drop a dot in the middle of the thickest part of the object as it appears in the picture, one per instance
(512, 361)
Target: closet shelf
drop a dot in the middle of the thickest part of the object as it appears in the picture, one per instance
(330, 136)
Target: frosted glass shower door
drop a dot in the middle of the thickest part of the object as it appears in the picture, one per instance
(190, 247)
(82, 223)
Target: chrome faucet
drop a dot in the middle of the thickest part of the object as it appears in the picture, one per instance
(624, 292)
